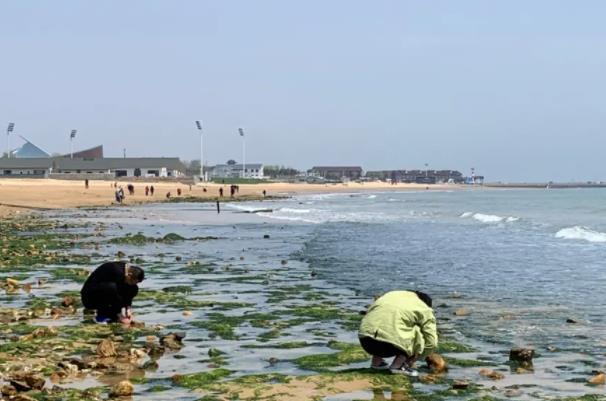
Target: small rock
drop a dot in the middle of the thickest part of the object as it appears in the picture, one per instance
(122, 389)
(186, 313)
(313, 273)
(241, 257)
(272, 361)
(513, 392)
(106, 348)
(212, 352)
(598, 380)
(571, 321)
(523, 355)
(22, 397)
(266, 236)
(284, 262)
(173, 341)
(462, 312)
(68, 301)
(178, 258)
(460, 384)
(551, 348)
(8, 390)
(436, 363)
(491, 374)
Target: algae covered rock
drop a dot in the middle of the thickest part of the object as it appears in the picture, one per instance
(106, 348)
(521, 355)
(436, 363)
(173, 341)
(491, 374)
(598, 380)
(122, 389)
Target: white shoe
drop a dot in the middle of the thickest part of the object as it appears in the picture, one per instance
(405, 370)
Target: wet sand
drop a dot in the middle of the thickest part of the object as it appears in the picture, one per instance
(22, 195)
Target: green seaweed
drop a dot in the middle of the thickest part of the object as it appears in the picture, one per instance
(202, 379)
(347, 353)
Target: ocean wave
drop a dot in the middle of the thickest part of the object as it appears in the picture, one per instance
(297, 211)
(581, 233)
(372, 196)
(489, 218)
(244, 208)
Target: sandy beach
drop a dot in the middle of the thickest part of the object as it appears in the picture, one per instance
(19, 195)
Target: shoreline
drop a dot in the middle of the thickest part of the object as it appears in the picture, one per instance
(301, 323)
(21, 195)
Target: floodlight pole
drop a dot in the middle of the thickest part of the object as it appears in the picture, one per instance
(9, 129)
(199, 126)
(241, 131)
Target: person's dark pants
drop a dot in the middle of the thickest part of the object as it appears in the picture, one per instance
(105, 299)
(379, 348)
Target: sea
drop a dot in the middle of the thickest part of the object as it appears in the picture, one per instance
(528, 265)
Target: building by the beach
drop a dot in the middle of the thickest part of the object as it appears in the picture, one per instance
(231, 169)
(31, 161)
(103, 168)
(418, 176)
(336, 172)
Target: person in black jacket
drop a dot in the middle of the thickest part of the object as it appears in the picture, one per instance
(110, 290)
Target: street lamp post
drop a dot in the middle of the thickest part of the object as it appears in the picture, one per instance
(72, 135)
(9, 129)
(199, 126)
(241, 131)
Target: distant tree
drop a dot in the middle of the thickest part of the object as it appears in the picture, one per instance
(279, 171)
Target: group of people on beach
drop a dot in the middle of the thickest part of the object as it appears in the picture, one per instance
(399, 324)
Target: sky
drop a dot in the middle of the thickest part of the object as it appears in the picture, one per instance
(516, 89)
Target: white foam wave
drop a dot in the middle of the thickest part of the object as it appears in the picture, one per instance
(489, 218)
(581, 233)
(244, 208)
(372, 196)
(297, 211)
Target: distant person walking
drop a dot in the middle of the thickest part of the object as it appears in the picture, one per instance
(131, 189)
(232, 190)
(264, 193)
(146, 190)
(151, 190)
(179, 191)
(168, 195)
(221, 192)
(86, 183)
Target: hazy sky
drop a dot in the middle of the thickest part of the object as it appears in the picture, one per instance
(516, 89)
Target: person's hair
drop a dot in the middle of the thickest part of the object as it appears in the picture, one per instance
(136, 272)
(424, 297)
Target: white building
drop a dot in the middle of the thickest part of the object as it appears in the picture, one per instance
(233, 170)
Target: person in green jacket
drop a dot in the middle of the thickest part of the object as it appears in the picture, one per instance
(399, 324)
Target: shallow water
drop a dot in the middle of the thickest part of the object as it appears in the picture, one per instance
(521, 261)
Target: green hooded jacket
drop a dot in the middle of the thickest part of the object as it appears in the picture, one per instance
(401, 319)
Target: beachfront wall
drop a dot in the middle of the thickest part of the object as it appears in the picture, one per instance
(337, 172)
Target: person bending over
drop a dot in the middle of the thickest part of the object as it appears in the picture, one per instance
(399, 324)
(110, 290)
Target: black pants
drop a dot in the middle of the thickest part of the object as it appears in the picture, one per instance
(105, 299)
(379, 348)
